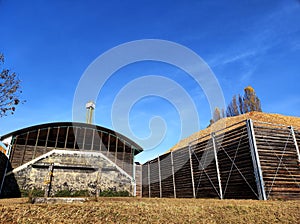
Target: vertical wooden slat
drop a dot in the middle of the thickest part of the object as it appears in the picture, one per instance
(75, 137)
(108, 145)
(123, 158)
(116, 151)
(36, 143)
(47, 138)
(66, 140)
(173, 174)
(26, 140)
(93, 137)
(159, 176)
(57, 135)
(149, 180)
(83, 141)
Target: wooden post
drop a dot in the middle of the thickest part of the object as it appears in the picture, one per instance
(159, 173)
(295, 142)
(47, 139)
(84, 137)
(108, 146)
(256, 162)
(93, 139)
(133, 172)
(36, 143)
(192, 173)
(149, 180)
(75, 136)
(66, 140)
(49, 180)
(116, 150)
(173, 175)
(57, 135)
(123, 156)
(217, 165)
(25, 146)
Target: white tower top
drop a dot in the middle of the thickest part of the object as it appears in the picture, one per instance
(90, 106)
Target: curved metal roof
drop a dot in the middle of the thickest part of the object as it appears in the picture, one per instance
(73, 124)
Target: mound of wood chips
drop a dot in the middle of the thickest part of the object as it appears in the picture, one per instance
(229, 121)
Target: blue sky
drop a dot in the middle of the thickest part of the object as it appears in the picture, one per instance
(51, 43)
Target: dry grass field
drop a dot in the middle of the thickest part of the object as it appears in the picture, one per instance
(137, 210)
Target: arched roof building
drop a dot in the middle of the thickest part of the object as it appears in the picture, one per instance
(33, 146)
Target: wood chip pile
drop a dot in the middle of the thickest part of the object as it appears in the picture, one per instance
(229, 121)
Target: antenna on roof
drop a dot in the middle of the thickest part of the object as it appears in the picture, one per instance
(90, 106)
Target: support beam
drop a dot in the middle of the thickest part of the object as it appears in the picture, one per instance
(133, 171)
(25, 146)
(36, 143)
(256, 162)
(67, 135)
(84, 137)
(149, 186)
(296, 144)
(57, 135)
(47, 138)
(75, 136)
(116, 150)
(217, 165)
(49, 180)
(192, 173)
(159, 176)
(93, 140)
(173, 174)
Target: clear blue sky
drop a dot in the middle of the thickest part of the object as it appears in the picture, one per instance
(51, 43)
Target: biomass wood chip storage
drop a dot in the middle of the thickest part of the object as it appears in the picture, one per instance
(247, 160)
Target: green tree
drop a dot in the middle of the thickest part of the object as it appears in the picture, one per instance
(9, 90)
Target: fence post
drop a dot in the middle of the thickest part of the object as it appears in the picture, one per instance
(192, 175)
(149, 180)
(295, 142)
(217, 165)
(159, 173)
(173, 175)
(49, 180)
(256, 162)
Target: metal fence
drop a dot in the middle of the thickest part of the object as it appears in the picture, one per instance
(248, 160)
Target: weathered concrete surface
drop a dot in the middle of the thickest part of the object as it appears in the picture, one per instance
(58, 200)
(74, 171)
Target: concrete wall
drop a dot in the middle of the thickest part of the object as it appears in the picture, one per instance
(73, 170)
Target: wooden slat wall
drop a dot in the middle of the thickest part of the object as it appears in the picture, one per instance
(237, 181)
(154, 179)
(183, 177)
(166, 176)
(145, 181)
(235, 164)
(278, 157)
(33, 144)
(138, 180)
(204, 170)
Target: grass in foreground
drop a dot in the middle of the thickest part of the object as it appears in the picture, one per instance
(136, 210)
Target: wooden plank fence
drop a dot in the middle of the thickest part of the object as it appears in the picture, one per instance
(248, 160)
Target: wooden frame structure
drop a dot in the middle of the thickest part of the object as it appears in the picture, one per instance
(32, 142)
(247, 160)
